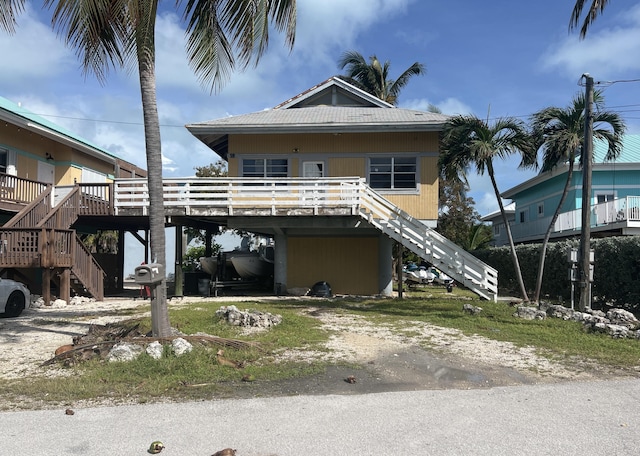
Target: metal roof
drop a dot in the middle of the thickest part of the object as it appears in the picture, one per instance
(630, 150)
(16, 114)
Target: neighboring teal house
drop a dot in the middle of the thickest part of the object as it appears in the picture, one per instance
(615, 198)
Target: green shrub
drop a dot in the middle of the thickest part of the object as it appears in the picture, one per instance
(616, 270)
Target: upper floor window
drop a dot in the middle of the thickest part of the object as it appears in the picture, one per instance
(540, 210)
(604, 197)
(265, 167)
(522, 216)
(393, 173)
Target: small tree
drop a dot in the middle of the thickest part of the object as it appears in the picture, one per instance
(469, 141)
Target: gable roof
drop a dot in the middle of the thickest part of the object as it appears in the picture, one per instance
(333, 106)
(333, 92)
(17, 115)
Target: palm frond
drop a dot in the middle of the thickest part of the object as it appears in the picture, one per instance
(9, 9)
(97, 29)
(597, 7)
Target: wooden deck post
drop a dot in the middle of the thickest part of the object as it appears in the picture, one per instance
(46, 285)
(65, 285)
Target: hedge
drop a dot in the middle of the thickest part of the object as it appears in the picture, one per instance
(616, 280)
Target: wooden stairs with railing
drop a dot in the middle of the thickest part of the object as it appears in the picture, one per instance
(39, 236)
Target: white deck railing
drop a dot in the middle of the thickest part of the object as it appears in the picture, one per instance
(621, 210)
(338, 196)
(241, 194)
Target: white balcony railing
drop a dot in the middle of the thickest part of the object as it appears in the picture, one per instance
(621, 210)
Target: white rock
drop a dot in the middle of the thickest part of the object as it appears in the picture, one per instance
(155, 349)
(58, 303)
(124, 351)
(181, 346)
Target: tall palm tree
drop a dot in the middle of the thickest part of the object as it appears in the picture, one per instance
(560, 134)
(373, 77)
(597, 7)
(469, 141)
(222, 35)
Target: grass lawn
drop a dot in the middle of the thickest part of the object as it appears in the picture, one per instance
(197, 375)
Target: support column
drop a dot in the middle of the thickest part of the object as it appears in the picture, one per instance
(385, 265)
(65, 285)
(177, 273)
(46, 285)
(120, 260)
(280, 264)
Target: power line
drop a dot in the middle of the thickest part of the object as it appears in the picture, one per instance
(120, 122)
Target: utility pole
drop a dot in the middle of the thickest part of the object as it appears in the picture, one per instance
(585, 233)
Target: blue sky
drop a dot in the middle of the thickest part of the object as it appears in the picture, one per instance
(498, 58)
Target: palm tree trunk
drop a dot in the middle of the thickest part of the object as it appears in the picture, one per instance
(545, 241)
(514, 255)
(146, 67)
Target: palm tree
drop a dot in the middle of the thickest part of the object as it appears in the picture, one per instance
(560, 133)
(222, 35)
(373, 77)
(469, 141)
(597, 7)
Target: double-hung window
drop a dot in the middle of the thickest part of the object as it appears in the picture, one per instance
(393, 173)
(265, 167)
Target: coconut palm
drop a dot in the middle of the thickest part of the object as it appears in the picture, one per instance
(373, 77)
(597, 7)
(222, 35)
(560, 134)
(469, 141)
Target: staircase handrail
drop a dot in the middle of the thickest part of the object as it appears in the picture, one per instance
(33, 212)
(88, 270)
(429, 244)
(65, 213)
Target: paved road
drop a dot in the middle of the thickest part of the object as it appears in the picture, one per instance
(595, 418)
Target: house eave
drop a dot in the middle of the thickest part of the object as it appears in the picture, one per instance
(29, 125)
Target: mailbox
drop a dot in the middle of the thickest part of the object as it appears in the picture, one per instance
(149, 274)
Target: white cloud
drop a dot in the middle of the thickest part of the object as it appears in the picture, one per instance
(449, 106)
(604, 53)
(33, 51)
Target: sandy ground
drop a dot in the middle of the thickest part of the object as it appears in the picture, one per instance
(419, 356)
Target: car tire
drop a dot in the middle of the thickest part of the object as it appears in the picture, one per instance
(15, 304)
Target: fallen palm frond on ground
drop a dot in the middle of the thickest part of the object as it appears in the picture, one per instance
(101, 338)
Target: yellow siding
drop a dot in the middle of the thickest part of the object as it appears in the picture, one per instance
(32, 148)
(360, 143)
(348, 167)
(345, 155)
(349, 264)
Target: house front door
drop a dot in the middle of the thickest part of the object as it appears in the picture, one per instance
(46, 172)
(312, 169)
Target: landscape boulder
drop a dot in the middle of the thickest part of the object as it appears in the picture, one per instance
(124, 351)
(253, 318)
(529, 313)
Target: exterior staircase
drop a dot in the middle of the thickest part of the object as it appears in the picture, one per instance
(429, 245)
(39, 236)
